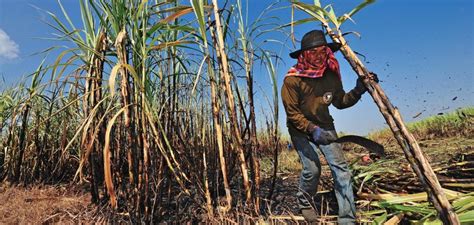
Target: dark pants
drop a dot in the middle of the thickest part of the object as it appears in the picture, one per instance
(311, 172)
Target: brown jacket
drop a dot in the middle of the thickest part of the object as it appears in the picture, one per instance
(305, 105)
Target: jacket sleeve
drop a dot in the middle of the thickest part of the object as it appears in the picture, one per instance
(290, 97)
(342, 99)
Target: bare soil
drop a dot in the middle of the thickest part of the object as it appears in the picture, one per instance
(72, 203)
(64, 204)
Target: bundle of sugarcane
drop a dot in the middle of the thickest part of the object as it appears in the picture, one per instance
(388, 188)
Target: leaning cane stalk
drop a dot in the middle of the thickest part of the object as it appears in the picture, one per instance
(405, 139)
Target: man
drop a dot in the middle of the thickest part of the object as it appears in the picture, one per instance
(308, 89)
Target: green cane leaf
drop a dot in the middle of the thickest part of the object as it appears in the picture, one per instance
(312, 10)
(362, 5)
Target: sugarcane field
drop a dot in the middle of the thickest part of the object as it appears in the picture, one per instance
(237, 112)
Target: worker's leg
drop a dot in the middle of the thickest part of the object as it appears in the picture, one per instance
(311, 169)
(342, 182)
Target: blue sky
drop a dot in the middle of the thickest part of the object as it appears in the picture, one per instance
(422, 51)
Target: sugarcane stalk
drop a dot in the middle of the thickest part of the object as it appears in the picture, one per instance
(206, 187)
(219, 134)
(230, 101)
(409, 145)
(216, 112)
(94, 95)
(120, 44)
(22, 141)
(146, 154)
(248, 59)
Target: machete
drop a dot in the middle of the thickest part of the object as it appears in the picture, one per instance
(370, 145)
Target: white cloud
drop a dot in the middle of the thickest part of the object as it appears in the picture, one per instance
(8, 48)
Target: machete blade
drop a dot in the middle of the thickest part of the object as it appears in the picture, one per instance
(370, 145)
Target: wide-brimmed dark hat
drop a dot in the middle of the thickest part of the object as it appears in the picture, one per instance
(313, 39)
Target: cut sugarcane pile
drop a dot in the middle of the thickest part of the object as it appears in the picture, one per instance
(392, 176)
(388, 190)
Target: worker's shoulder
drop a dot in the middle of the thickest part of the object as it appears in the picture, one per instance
(291, 80)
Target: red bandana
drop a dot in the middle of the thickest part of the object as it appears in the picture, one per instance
(312, 63)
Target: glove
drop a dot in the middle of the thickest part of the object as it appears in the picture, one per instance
(373, 76)
(360, 87)
(322, 137)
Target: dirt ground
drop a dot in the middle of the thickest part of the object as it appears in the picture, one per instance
(72, 203)
(46, 204)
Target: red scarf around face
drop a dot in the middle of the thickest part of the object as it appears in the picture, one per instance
(312, 63)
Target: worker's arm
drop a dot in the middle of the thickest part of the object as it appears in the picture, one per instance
(290, 97)
(342, 99)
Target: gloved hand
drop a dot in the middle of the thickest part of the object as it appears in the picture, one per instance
(322, 137)
(360, 87)
(374, 77)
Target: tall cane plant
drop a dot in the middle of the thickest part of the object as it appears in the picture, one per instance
(127, 106)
